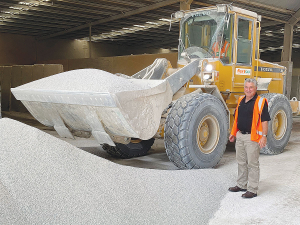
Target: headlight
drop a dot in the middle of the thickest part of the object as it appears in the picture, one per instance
(208, 68)
(207, 76)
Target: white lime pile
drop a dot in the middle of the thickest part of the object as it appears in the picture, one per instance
(44, 180)
(87, 80)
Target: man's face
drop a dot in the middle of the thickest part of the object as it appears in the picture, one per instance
(249, 89)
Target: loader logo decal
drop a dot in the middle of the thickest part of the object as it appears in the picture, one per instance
(269, 69)
(240, 71)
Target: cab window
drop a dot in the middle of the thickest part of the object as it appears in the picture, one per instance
(226, 56)
(244, 46)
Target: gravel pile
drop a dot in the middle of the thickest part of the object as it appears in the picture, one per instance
(44, 180)
(87, 80)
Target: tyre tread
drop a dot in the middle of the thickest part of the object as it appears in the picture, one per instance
(176, 134)
(272, 99)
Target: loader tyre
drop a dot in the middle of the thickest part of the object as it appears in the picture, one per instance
(280, 126)
(131, 150)
(196, 131)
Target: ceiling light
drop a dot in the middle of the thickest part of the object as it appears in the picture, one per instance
(139, 26)
(167, 20)
(134, 28)
(24, 3)
(17, 8)
(21, 10)
(271, 49)
(296, 45)
(153, 23)
(269, 34)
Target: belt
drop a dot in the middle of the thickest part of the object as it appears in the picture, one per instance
(245, 132)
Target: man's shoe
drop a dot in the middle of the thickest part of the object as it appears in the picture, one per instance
(249, 194)
(236, 189)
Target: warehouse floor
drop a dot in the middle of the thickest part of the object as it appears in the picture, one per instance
(200, 195)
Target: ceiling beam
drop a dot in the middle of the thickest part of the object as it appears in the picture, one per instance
(185, 4)
(295, 18)
(255, 4)
(202, 4)
(274, 19)
(269, 24)
(288, 38)
(269, 7)
(112, 18)
(84, 4)
(248, 3)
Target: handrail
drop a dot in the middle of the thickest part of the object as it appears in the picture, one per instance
(257, 41)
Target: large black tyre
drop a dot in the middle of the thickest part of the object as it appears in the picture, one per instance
(196, 131)
(280, 126)
(133, 149)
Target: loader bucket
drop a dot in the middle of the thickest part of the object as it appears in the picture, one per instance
(101, 103)
(97, 101)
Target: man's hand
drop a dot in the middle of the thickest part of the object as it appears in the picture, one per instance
(231, 138)
(263, 141)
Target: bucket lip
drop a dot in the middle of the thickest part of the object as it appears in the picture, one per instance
(17, 89)
(65, 97)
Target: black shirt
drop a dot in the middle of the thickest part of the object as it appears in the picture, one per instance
(245, 114)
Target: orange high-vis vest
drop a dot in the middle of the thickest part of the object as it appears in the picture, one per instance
(256, 127)
(223, 52)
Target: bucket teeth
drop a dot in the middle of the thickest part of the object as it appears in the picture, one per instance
(102, 137)
(63, 131)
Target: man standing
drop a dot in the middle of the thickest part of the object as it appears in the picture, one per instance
(250, 128)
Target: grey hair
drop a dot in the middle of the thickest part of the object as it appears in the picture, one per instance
(251, 80)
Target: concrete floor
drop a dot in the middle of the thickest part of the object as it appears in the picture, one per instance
(156, 157)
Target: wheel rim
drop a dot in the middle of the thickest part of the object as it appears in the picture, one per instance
(279, 124)
(208, 133)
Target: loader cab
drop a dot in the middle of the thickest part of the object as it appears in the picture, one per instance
(206, 34)
(226, 39)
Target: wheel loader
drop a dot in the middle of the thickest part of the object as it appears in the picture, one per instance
(191, 107)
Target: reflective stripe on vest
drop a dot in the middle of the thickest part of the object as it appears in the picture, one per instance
(226, 49)
(260, 104)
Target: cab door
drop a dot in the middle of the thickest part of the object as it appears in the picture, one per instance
(243, 67)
